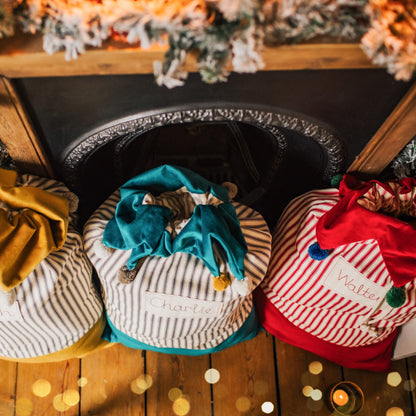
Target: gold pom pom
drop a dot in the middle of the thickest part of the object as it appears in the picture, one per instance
(221, 282)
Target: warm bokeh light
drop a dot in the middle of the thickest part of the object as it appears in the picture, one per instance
(174, 394)
(181, 406)
(409, 385)
(316, 394)
(394, 379)
(395, 411)
(41, 387)
(24, 407)
(212, 376)
(315, 367)
(141, 384)
(307, 390)
(243, 404)
(59, 404)
(82, 381)
(70, 397)
(267, 407)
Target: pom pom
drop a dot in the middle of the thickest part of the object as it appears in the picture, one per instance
(396, 297)
(317, 253)
(336, 180)
(221, 282)
(242, 287)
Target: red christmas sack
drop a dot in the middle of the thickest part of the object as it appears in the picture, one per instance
(341, 279)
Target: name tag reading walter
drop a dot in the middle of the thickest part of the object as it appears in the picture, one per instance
(345, 280)
(174, 306)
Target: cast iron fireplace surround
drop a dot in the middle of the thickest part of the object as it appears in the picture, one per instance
(278, 133)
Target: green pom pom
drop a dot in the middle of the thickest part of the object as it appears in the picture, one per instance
(336, 180)
(396, 297)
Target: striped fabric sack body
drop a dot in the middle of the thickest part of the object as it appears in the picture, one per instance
(48, 303)
(341, 279)
(178, 262)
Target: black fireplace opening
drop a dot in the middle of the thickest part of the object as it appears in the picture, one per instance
(268, 167)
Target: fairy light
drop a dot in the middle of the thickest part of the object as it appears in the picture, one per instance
(41, 388)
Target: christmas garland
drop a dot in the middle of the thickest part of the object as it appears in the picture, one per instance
(223, 34)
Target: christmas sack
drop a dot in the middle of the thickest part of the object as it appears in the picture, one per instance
(178, 261)
(342, 270)
(49, 308)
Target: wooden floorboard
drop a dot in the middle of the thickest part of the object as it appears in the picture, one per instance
(379, 395)
(179, 384)
(299, 373)
(120, 381)
(247, 372)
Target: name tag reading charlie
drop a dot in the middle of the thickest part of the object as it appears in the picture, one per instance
(345, 280)
(175, 306)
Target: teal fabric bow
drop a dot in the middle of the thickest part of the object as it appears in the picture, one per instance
(142, 228)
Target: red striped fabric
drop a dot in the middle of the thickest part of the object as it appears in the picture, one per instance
(310, 294)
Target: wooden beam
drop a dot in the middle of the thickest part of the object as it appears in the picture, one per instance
(23, 56)
(396, 131)
(18, 134)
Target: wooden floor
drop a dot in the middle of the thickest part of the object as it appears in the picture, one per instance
(254, 378)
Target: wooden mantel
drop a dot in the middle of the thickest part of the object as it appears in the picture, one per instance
(23, 56)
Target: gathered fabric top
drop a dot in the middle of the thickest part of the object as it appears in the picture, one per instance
(33, 222)
(172, 209)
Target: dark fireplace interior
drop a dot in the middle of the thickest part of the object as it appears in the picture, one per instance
(275, 134)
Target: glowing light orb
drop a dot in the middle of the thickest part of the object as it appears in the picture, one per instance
(174, 394)
(41, 387)
(70, 397)
(82, 381)
(394, 379)
(59, 404)
(141, 384)
(395, 411)
(181, 406)
(243, 404)
(307, 390)
(267, 407)
(212, 376)
(409, 385)
(315, 367)
(316, 395)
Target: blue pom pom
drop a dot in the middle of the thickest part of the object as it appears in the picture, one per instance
(317, 253)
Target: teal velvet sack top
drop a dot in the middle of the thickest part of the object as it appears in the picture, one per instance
(144, 228)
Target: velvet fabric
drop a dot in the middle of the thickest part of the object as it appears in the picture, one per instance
(349, 222)
(247, 331)
(143, 228)
(33, 222)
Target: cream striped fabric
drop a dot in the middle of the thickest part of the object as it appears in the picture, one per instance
(179, 285)
(297, 285)
(56, 304)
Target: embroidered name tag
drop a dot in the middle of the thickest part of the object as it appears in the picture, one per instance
(345, 280)
(175, 306)
(11, 313)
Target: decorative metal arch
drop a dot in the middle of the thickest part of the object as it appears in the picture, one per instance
(267, 120)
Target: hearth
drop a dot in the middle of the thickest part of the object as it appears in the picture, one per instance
(276, 134)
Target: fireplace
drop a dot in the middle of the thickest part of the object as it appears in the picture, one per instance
(276, 133)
